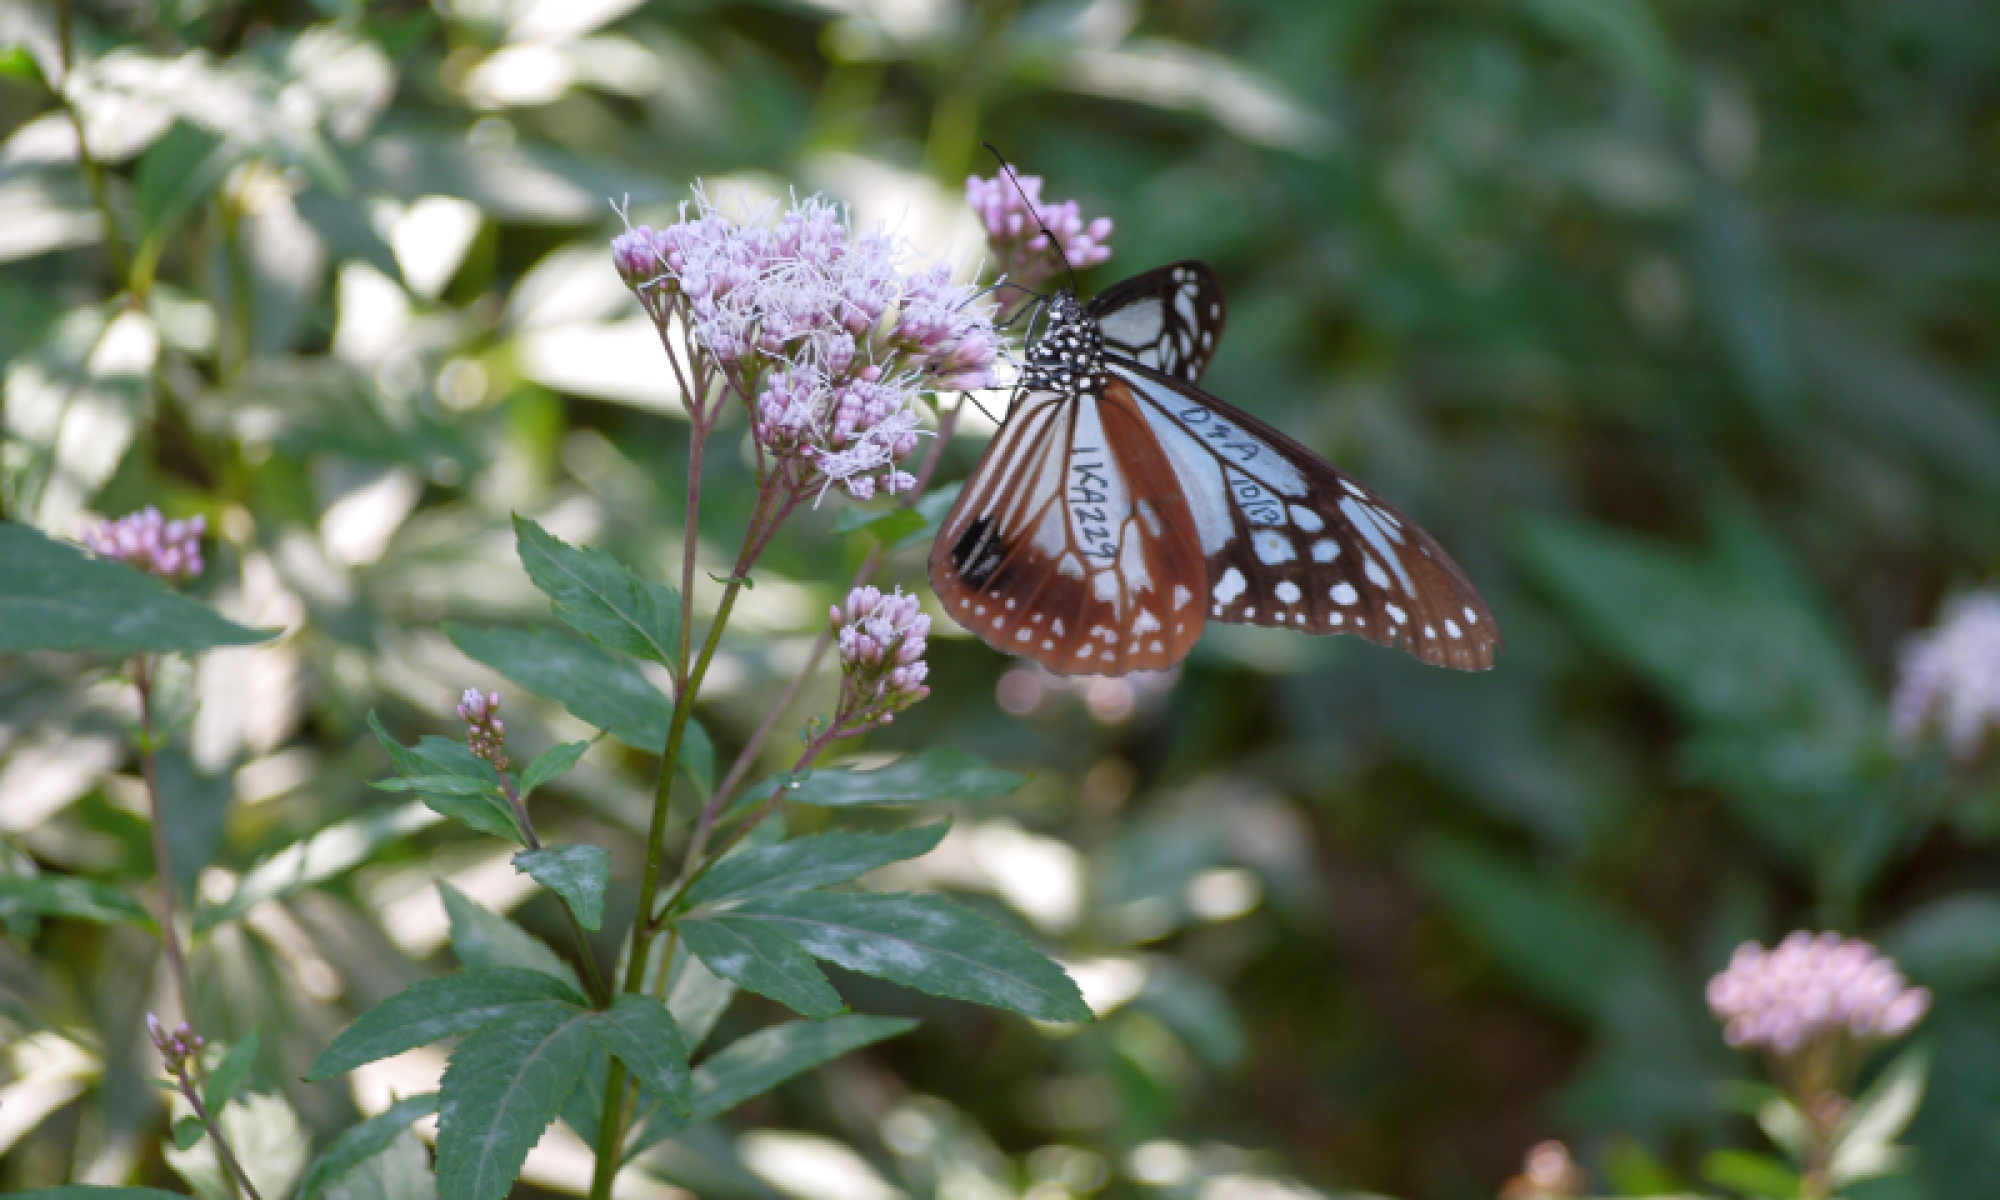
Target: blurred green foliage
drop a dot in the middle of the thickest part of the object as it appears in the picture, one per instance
(1676, 323)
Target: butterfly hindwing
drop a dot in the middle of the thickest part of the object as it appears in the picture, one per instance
(1072, 544)
(1292, 542)
(1169, 319)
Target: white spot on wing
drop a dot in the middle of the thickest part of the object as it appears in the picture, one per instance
(1288, 592)
(1369, 522)
(1451, 629)
(1306, 519)
(1344, 593)
(1375, 574)
(1145, 622)
(1396, 614)
(1470, 619)
(1181, 596)
(1325, 550)
(1229, 587)
(1272, 547)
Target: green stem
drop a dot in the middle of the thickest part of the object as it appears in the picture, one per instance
(93, 172)
(233, 1171)
(599, 994)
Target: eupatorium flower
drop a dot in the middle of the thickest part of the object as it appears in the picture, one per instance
(1811, 991)
(1950, 680)
(1023, 250)
(485, 733)
(881, 641)
(829, 334)
(149, 542)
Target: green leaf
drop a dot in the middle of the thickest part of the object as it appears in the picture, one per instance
(359, 1143)
(188, 1131)
(923, 942)
(1751, 1174)
(1952, 942)
(438, 1008)
(503, 1087)
(551, 764)
(579, 874)
(753, 1065)
(1864, 1146)
(940, 773)
(697, 997)
(483, 938)
(640, 1031)
(68, 896)
(402, 1171)
(760, 959)
(596, 686)
(53, 597)
(443, 785)
(898, 527)
(809, 862)
(467, 789)
(331, 851)
(176, 174)
(600, 597)
(229, 1074)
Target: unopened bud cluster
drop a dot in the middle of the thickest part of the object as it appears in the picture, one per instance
(1950, 680)
(176, 1048)
(832, 334)
(1014, 229)
(882, 656)
(1811, 990)
(485, 733)
(147, 541)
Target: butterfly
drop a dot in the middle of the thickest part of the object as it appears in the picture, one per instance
(1120, 508)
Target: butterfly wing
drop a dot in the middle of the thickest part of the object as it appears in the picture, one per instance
(1292, 542)
(1169, 319)
(1071, 543)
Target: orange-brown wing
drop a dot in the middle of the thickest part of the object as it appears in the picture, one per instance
(1295, 543)
(1071, 543)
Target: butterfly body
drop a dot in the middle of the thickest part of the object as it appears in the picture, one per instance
(1120, 508)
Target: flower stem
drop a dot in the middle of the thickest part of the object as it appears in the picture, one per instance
(235, 1172)
(600, 995)
(163, 865)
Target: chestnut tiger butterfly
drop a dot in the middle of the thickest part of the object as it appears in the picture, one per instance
(1120, 508)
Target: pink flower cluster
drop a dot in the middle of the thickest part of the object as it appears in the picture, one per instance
(486, 733)
(1012, 230)
(149, 542)
(176, 1047)
(834, 332)
(882, 656)
(1950, 680)
(1810, 990)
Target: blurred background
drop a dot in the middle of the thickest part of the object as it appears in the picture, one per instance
(1676, 323)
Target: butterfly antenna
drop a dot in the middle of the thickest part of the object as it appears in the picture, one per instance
(1048, 233)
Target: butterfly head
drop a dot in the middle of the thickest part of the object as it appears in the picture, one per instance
(1070, 352)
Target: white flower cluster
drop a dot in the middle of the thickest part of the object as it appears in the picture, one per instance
(1014, 223)
(1950, 680)
(1811, 989)
(835, 332)
(881, 655)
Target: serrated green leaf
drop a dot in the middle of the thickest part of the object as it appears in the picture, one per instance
(502, 1088)
(940, 773)
(483, 938)
(401, 1171)
(475, 801)
(599, 597)
(229, 1074)
(809, 862)
(642, 1034)
(1751, 1174)
(758, 958)
(596, 686)
(923, 942)
(1864, 1146)
(188, 1131)
(438, 1008)
(364, 1141)
(68, 896)
(552, 763)
(579, 874)
(696, 997)
(753, 1065)
(54, 597)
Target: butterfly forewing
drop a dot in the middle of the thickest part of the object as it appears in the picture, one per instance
(1294, 543)
(1168, 319)
(1072, 544)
